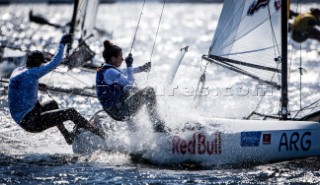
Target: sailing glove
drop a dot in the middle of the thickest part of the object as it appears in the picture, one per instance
(146, 67)
(66, 39)
(129, 60)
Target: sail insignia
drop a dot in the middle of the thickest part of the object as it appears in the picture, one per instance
(248, 36)
(256, 5)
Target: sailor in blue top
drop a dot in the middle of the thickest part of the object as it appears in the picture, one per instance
(116, 91)
(24, 106)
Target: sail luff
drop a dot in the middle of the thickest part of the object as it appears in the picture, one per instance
(284, 60)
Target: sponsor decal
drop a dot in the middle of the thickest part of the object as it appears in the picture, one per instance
(295, 141)
(256, 5)
(266, 139)
(250, 139)
(199, 144)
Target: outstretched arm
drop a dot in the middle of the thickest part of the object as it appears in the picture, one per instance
(38, 72)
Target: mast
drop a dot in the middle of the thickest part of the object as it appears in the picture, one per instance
(284, 60)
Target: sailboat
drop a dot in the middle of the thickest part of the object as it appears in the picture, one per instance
(81, 25)
(79, 53)
(219, 141)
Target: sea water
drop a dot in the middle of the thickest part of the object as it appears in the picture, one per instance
(45, 158)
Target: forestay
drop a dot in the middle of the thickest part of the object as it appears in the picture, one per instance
(248, 39)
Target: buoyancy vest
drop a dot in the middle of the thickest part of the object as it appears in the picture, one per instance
(108, 95)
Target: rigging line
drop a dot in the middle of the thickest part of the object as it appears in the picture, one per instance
(274, 38)
(135, 33)
(155, 39)
(300, 68)
(277, 49)
(245, 64)
(50, 95)
(239, 70)
(314, 104)
(73, 77)
(71, 31)
(66, 73)
(298, 9)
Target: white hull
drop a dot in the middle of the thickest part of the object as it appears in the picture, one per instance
(218, 142)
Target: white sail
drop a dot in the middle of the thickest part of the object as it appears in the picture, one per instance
(249, 31)
(82, 26)
(86, 17)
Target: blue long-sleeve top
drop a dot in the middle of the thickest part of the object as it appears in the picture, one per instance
(124, 77)
(23, 86)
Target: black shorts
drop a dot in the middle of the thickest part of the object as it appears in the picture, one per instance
(31, 121)
(47, 115)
